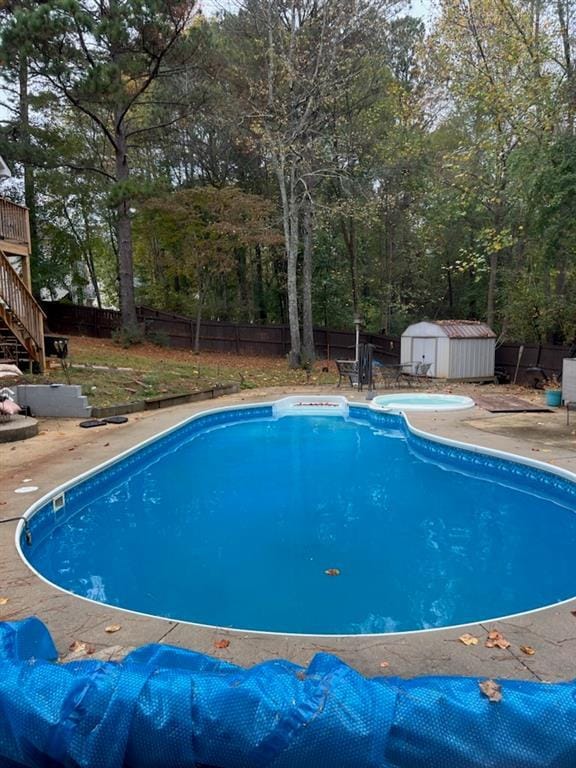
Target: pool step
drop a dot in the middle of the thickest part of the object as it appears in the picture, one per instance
(311, 405)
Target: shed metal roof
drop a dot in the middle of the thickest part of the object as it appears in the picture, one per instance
(465, 329)
(454, 329)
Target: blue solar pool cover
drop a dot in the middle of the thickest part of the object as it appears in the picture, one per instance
(165, 706)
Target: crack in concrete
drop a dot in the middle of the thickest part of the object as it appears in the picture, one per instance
(172, 628)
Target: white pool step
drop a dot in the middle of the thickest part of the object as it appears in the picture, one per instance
(311, 405)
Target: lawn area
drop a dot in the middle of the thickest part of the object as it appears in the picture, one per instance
(147, 370)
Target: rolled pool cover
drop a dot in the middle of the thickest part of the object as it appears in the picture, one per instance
(165, 707)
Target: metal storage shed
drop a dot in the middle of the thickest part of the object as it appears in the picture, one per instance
(457, 349)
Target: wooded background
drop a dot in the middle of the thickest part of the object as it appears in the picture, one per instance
(299, 162)
(274, 340)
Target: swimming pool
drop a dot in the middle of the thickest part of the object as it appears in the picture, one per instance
(345, 523)
(422, 401)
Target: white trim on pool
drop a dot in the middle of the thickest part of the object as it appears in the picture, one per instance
(61, 489)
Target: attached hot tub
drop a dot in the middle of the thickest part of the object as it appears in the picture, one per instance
(421, 401)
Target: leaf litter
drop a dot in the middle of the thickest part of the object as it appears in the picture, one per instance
(468, 639)
(80, 647)
(492, 690)
(496, 639)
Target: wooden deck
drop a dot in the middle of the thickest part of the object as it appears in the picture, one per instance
(20, 314)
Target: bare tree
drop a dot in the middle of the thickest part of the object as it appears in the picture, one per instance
(309, 53)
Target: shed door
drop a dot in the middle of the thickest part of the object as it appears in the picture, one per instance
(424, 351)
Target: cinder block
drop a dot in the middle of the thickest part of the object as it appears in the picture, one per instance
(57, 400)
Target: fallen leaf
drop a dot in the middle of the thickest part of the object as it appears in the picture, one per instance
(468, 639)
(4, 600)
(332, 571)
(79, 646)
(384, 664)
(573, 613)
(528, 650)
(496, 640)
(221, 643)
(491, 689)
(2, 503)
(112, 628)
(106, 445)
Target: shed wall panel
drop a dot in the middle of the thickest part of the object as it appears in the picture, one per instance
(470, 358)
(406, 349)
(442, 368)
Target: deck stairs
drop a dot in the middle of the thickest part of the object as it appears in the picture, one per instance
(21, 318)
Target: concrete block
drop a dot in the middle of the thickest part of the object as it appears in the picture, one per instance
(57, 400)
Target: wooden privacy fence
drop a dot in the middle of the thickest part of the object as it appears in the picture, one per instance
(215, 336)
(547, 357)
(274, 340)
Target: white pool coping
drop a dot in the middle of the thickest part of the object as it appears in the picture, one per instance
(62, 488)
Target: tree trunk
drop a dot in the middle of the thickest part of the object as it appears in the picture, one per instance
(450, 290)
(89, 258)
(261, 310)
(490, 299)
(198, 316)
(29, 180)
(570, 76)
(308, 351)
(349, 237)
(290, 218)
(124, 236)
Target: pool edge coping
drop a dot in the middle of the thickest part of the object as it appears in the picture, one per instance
(421, 433)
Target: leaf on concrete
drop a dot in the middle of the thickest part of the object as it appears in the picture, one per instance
(491, 690)
(113, 628)
(468, 639)
(4, 600)
(221, 643)
(384, 664)
(79, 647)
(528, 650)
(332, 571)
(496, 639)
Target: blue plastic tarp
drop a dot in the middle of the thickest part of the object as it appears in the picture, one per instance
(165, 707)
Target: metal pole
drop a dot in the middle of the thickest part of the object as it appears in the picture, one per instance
(358, 322)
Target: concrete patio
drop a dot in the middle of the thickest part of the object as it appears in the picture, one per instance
(62, 451)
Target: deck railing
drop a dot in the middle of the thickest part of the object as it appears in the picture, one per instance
(20, 311)
(14, 222)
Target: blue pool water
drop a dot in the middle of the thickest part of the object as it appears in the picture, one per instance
(234, 519)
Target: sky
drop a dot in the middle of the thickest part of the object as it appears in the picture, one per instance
(419, 7)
